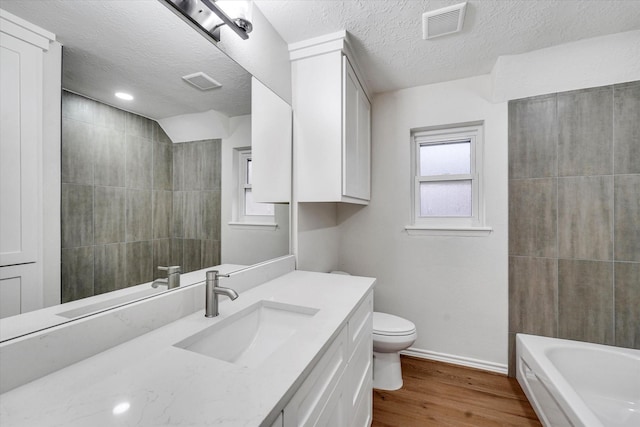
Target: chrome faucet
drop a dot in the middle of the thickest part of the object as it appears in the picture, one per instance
(212, 292)
(173, 277)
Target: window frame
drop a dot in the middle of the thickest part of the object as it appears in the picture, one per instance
(449, 225)
(243, 156)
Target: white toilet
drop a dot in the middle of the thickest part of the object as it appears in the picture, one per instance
(391, 334)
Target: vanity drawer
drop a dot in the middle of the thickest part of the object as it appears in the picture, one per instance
(305, 407)
(361, 323)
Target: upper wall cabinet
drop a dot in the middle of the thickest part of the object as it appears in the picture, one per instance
(270, 145)
(332, 123)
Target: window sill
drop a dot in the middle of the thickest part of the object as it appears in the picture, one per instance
(423, 230)
(271, 226)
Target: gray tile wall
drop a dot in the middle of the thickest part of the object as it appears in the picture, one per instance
(195, 230)
(574, 216)
(132, 200)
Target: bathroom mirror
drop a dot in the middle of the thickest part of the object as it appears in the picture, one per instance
(179, 146)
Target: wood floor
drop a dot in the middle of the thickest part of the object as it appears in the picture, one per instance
(440, 394)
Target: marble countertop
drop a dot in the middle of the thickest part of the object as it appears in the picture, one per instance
(149, 382)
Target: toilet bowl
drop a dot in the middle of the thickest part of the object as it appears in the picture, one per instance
(391, 334)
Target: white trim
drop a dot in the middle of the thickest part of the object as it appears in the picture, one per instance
(338, 41)
(317, 45)
(417, 230)
(253, 225)
(244, 157)
(25, 30)
(469, 362)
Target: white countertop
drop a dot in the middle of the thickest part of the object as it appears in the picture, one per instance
(166, 385)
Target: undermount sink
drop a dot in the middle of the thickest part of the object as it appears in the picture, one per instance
(248, 337)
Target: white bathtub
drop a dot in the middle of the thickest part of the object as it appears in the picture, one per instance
(571, 383)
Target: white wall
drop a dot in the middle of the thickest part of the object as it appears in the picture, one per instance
(196, 126)
(318, 239)
(242, 245)
(453, 288)
(586, 63)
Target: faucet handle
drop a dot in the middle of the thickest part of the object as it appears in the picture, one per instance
(173, 269)
(214, 274)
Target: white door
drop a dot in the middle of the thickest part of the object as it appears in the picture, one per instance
(22, 47)
(20, 133)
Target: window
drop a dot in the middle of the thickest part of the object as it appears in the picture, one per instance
(447, 172)
(248, 211)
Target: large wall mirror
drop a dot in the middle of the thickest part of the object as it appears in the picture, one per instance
(159, 180)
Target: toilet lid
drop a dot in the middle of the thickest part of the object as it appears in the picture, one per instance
(388, 324)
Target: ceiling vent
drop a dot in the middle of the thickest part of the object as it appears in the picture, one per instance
(202, 81)
(443, 21)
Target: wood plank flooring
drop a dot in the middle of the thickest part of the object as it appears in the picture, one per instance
(440, 394)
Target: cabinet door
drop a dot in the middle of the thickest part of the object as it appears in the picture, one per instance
(356, 137)
(20, 135)
(360, 367)
(364, 147)
(360, 381)
(336, 411)
(306, 406)
(270, 145)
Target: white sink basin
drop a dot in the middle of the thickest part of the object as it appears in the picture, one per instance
(248, 337)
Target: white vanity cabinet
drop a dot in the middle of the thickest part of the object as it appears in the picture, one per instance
(338, 391)
(318, 376)
(332, 123)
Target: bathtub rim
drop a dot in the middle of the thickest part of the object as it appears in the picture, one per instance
(532, 349)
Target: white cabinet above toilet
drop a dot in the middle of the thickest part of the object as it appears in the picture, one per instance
(332, 123)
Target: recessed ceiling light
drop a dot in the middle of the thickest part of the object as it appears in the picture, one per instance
(125, 96)
(121, 408)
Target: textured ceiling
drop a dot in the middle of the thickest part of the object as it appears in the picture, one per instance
(140, 47)
(388, 34)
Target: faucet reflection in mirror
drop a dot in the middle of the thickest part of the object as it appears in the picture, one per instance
(132, 200)
(211, 15)
(173, 277)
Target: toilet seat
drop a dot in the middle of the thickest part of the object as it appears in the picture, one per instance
(385, 324)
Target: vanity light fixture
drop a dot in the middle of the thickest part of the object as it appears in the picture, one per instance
(125, 96)
(210, 15)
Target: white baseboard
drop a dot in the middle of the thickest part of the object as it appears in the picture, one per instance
(456, 360)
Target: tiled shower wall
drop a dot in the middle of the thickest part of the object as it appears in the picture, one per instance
(118, 201)
(196, 204)
(574, 216)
